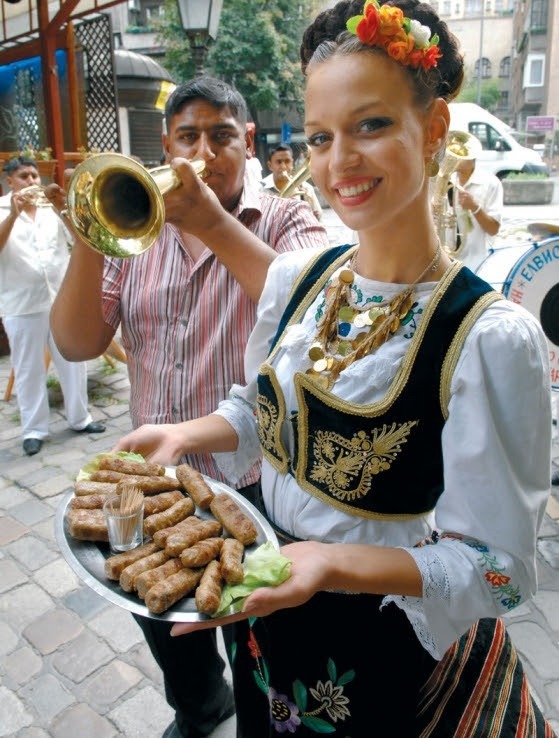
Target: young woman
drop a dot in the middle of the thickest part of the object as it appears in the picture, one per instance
(403, 411)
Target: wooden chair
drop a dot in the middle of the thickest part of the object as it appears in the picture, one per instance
(114, 351)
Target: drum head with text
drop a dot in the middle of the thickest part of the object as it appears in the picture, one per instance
(529, 275)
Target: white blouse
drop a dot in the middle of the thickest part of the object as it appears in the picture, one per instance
(496, 449)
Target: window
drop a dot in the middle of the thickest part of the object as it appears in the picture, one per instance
(473, 7)
(534, 70)
(504, 99)
(538, 14)
(489, 138)
(485, 68)
(504, 67)
(446, 7)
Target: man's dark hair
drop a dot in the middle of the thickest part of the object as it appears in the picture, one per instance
(16, 162)
(213, 91)
(281, 147)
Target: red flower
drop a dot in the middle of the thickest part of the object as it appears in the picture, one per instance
(368, 27)
(253, 646)
(430, 57)
(496, 579)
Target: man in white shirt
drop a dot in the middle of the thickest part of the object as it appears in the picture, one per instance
(33, 258)
(478, 198)
(280, 165)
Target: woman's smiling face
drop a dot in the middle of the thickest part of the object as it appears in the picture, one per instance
(367, 137)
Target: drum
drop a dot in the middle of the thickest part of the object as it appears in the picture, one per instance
(528, 274)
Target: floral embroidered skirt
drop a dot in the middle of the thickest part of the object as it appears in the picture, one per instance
(339, 665)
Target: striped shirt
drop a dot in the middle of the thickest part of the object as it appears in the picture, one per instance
(185, 324)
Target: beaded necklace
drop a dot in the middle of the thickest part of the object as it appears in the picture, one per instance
(329, 352)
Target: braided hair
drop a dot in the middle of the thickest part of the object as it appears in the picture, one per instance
(327, 36)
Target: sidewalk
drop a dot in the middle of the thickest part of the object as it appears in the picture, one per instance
(73, 665)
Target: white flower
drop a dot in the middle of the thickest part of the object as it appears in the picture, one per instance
(421, 34)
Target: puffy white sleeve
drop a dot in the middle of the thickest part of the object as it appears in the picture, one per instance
(496, 450)
(239, 408)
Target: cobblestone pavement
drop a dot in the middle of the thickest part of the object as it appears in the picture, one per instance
(73, 665)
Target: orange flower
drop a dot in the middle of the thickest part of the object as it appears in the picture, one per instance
(496, 579)
(391, 20)
(399, 50)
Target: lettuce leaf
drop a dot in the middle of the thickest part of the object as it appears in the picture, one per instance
(87, 470)
(264, 567)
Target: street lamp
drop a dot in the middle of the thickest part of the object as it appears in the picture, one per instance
(200, 19)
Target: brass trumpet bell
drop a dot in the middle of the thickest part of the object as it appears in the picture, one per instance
(295, 181)
(116, 205)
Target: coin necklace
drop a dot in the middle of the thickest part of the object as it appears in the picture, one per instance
(329, 352)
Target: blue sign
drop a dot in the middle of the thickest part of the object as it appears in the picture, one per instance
(285, 133)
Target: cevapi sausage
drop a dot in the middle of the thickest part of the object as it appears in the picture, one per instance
(115, 565)
(233, 519)
(171, 516)
(208, 592)
(148, 485)
(88, 502)
(88, 525)
(144, 468)
(161, 501)
(193, 482)
(164, 594)
(86, 487)
(177, 542)
(147, 579)
(231, 561)
(160, 537)
(202, 552)
(129, 574)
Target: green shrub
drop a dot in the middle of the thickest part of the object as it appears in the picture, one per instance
(526, 175)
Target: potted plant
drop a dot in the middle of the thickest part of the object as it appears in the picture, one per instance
(521, 188)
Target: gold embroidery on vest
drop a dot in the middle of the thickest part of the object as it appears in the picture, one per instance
(270, 418)
(347, 466)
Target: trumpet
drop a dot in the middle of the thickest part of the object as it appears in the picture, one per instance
(294, 181)
(461, 146)
(35, 195)
(116, 205)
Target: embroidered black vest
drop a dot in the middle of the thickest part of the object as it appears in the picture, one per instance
(382, 459)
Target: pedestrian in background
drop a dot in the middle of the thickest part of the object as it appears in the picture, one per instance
(402, 407)
(185, 320)
(34, 253)
(280, 165)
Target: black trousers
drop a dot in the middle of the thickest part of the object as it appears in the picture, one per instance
(192, 667)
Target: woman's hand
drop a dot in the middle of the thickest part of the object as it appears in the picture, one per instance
(309, 571)
(161, 444)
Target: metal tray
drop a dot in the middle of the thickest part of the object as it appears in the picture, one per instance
(87, 559)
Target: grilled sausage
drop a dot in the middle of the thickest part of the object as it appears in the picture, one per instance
(148, 485)
(144, 468)
(208, 592)
(88, 525)
(162, 501)
(193, 482)
(88, 502)
(172, 589)
(115, 565)
(171, 516)
(231, 561)
(147, 579)
(233, 519)
(202, 552)
(129, 574)
(160, 537)
(86, 487)
(177, 542)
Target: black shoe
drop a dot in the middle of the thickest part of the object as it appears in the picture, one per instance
(93, 427)
(173, 730)
(32, 446)
(555, 478)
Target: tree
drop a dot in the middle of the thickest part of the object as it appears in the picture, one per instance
(490, 93)
(256, 50)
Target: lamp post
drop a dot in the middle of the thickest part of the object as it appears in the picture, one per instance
(200, 19)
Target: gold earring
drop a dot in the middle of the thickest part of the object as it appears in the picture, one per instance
(432, 167)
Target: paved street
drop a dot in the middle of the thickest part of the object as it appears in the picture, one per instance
(74, 666)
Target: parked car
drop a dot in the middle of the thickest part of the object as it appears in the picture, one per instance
(501, 154)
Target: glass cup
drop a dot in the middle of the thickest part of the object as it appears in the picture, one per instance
(125, 527)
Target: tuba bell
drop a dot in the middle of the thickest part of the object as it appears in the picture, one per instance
(116, 204)
(461, 146)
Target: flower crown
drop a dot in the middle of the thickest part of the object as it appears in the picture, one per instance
(405, 40)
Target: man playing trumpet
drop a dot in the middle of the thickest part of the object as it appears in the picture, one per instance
(33, 258)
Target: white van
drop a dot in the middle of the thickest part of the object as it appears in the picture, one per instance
(501, 151)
